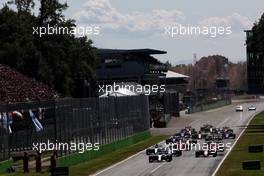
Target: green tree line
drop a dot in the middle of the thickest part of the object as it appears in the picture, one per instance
(256, 42)
(63, 61)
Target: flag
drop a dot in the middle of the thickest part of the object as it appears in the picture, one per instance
(7, 120)
(10, 121)
(37, 124)
(40, 113)
(17, 114)
(5, 123)
(9, 129)
(1, 120)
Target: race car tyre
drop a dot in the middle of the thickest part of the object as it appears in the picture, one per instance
(233, 136)
(150, 160)
(168, 159)
(177, 154)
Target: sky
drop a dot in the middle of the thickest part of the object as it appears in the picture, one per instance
(133, 24)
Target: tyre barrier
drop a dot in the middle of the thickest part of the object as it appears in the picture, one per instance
(255, 148)
(251, 165)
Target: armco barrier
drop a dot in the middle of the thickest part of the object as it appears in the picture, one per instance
(76, 158)
(4, 165)
(206, 107)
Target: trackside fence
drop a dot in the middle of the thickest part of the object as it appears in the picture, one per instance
(208, 106)
(113, 122)
(77, 158)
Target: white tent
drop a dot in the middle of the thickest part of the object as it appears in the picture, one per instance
(119, 93)
(172, 74)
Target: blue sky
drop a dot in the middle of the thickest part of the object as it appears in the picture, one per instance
(140, 24)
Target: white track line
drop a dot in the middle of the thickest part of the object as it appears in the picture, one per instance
(154, 170)
(220, 124)
(193, 122)
(219, 165)
(110, 167)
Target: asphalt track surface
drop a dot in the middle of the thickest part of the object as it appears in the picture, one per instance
(187, 164)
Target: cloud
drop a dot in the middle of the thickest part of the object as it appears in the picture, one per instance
(109, 19)
(235, 20)
(102, 13)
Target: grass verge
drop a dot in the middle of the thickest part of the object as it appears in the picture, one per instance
(232, 165)
(104, 161)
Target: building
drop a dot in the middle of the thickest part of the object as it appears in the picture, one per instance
(135, 65)
(255, 67)
(139, 67)
(175, 82)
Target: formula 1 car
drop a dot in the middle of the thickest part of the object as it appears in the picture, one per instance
(217, 137)
(176, 153)
(206, 128)
(227, 130)
(209, 138)
(185, 145)
(195, 136)
(202, 135)
(190, 129)
(214, 137)
(216, 131)
(239, 108)
(153, 150)
(193, 141)
(185, 134)
(205, 153)
(173, 139)
(229, 135)
(160, 156)
(252, 108)
(218, 146)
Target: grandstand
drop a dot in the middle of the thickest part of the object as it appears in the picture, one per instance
(16, 87)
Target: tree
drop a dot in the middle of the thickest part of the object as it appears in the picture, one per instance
(23, 5)
(63, 61)
(257, 39)
(260, 35)
(51, 12)
(168, 64)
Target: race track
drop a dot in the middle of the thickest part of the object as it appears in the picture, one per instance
(187, 164)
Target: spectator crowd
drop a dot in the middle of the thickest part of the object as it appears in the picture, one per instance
(16, 87)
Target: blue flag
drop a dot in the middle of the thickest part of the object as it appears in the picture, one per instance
(37, 124)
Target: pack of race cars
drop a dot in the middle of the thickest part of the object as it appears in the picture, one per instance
(208, 141)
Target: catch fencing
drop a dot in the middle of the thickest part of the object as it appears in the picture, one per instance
(88, 120)
(208, 106)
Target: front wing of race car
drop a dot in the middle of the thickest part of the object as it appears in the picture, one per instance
(205, 153)
(160, 158)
